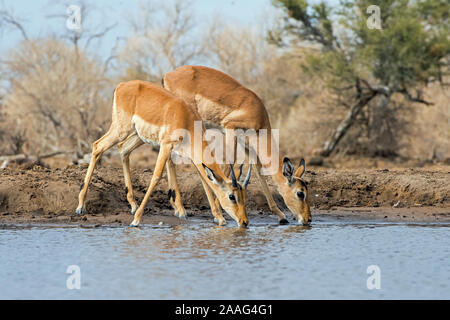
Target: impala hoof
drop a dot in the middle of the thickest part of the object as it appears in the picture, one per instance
(134, 224)
(220, 222)
(283, 221)
(181, 213)
(80, 211)
(133, 211)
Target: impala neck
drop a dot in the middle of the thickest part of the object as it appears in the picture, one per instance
(278, 178)
(277, 171)
(198, 151)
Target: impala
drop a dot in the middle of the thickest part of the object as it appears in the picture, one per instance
(224, 102)
(146, 113)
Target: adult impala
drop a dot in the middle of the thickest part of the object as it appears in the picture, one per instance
(144, 112)
(224, 102)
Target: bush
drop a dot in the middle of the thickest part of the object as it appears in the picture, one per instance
(58, 98)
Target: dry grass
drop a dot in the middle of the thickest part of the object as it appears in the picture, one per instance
(58, 98)
(429, 127)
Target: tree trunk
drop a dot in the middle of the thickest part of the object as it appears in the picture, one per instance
(345, 124)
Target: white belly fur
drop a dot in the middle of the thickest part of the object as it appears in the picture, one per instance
(147, 132)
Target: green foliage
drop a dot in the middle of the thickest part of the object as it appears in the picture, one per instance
(412, 47)
(311, 24)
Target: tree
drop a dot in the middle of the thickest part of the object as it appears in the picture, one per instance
(164, 37)
(365, 65)
(56, 95)
(240, 52)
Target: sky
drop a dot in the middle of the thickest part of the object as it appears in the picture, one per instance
(38, 17)
(34, 15)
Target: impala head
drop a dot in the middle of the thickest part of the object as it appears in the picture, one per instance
(231, 193)
(295, 191)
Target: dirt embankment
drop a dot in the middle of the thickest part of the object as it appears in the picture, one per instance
(38, 195)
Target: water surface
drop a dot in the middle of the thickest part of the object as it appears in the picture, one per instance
(328, 260)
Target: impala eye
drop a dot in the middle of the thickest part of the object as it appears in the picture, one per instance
(232, 197)
(301, 195)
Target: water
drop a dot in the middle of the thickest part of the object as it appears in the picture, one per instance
(201, 261)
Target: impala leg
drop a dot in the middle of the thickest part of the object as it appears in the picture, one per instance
(98, 147)
(164, 153)
(174, 191)
(265, 189)
(125, 148)
(216, 210)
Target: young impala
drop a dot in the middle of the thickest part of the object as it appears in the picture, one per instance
(224, 102)
(144, 112)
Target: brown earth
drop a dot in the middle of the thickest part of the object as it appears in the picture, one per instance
(39, 195)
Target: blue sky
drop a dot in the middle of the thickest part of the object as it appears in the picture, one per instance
(34, 15)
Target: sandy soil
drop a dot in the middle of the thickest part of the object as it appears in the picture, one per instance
(40, 195)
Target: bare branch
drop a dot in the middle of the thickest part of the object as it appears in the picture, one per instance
(384, 90)
(7, 17)
(113, 54)
(163, 38)
(100, 34)
(418, 98)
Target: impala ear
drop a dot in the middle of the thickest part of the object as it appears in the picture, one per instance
(245, 180)
(301, 170)
(211, 176)
(247, 177)
(240, 172)
(288, 169)
(233, 177)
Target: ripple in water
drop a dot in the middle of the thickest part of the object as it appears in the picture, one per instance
(201, 261)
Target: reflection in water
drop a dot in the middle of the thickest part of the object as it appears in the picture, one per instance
(198, 242)
(297, 229)
(186, 241)
(202, 261)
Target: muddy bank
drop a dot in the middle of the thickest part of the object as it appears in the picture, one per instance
(40, 195)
